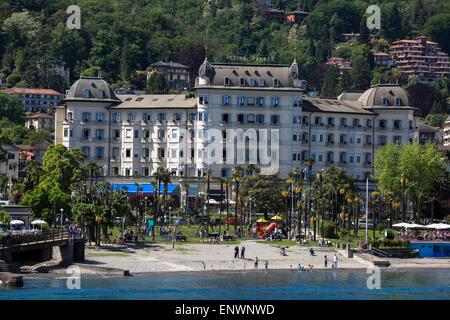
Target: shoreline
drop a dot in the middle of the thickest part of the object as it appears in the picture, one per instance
(162, 259)
(63, 276)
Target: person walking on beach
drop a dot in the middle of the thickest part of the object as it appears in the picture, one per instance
(243, 252)
(256, 263)
(266, 264)
(335, 261)
(204, 265)
(236, 252)
(325, 261)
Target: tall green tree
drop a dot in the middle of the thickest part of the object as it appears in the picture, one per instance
(157, 84)
(360, 73)
(330, 82)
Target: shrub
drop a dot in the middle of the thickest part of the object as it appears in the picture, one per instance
(391, 234)
(375, 243)
(344, 233)
(387, 243)
(329, 228)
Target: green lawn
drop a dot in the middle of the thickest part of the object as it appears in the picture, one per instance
(190, 231)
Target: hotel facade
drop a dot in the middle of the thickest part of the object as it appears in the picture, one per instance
(237, 109)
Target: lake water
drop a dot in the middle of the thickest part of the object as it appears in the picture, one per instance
(273, 285)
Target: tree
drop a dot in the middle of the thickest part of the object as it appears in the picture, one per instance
(316, 77)
(364, 31)
(345, 83)
(438, 29)
(4, 217)
(265, 193)
(420, 166)
(157, 84)
(11, 108)
(423, 97)
(330, 82)
(192, 56)
(436, 120)
(360, 73)
(62, 171)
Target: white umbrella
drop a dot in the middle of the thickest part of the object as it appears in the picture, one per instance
(401, 225)
(438, 226)
(38, 222)
(41, 222)
(17, 222)
(414, 226)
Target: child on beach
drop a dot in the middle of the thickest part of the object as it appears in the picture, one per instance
(204, 265)
(266, 264)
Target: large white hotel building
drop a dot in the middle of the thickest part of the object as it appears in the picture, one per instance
(135, 135)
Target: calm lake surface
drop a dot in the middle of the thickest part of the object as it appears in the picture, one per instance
(274, 285)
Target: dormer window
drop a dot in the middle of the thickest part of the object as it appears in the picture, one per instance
(251, 82)
(86, 93)
(242, 82)
(227, 81)
(276, 83)
(385, 101)
(100, 94)
(261, 82)
(397, 101)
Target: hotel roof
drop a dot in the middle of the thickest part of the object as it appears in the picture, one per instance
(32, 91)
(152, 101)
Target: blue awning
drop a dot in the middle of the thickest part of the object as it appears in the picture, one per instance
(144, 188)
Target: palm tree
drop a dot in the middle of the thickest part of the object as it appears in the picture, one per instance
(94, 171)
(251, 169)
(156, 189)
(223, 182)
(236, 178)
(165, 177)
(227, 195)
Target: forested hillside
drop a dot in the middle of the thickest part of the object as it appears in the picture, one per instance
(119, 37)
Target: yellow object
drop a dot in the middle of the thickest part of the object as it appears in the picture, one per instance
(289, 180)
(285, 193)
(262, 220)
(298, 190)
